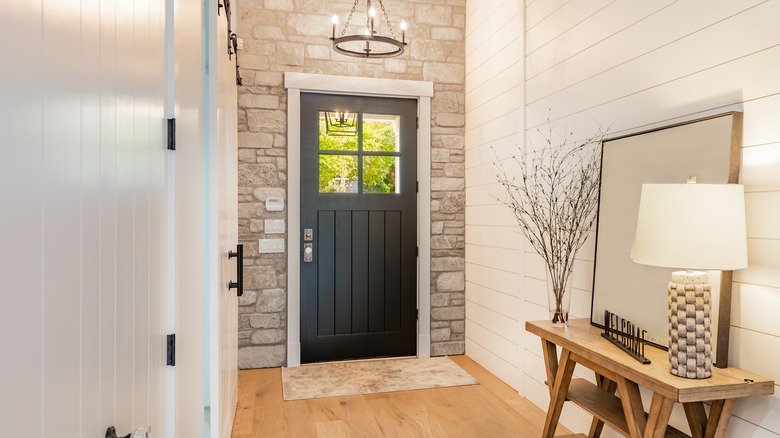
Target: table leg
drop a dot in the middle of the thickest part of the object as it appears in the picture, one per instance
(559, 393)
(596, 426)
(632, 406)
(550, 362)
(697, 418)
(658, 419)
(720, 414)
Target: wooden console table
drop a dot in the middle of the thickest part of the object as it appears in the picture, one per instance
(582, 344)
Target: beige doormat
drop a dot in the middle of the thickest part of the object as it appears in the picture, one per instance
(371, 377)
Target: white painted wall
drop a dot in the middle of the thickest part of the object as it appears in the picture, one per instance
(631, 65)
(82, 224)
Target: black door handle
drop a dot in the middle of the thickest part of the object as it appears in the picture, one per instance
(239, 284)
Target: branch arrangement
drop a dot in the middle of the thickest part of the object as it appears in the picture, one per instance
(554, 200)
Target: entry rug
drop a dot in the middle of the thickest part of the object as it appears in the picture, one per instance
(372, 377)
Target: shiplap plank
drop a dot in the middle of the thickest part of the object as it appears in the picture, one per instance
(495, 342)
(634, 37)
(21, 177)
(496, 150)
(503, 103)
(505, 58)
(486, 174)
(761, 168)
(537, 11)
(502, 281)
(754, 307)
(498, 258)
(761, 212)
(507, 30)
(506, 237)
(483, 96)
(490, 215)
(616, 22)
(488, 194)
(506, 304)
(759, 123)
(499, 127)
(90, 218)
(752, 350)
(565, 18)
(61, 411)
(498, 324)
(496, 364)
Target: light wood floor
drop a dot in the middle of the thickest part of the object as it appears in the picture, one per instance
(490, 409)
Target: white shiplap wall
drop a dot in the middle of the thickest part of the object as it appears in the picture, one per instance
(81, 217)
(631, 65)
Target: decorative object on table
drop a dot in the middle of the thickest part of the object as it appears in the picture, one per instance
(554, 200)
(368, 43)
(629, 337)
(695, 226)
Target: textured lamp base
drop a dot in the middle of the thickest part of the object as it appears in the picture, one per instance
(690, 333)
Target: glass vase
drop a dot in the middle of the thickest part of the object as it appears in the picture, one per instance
(558, 296)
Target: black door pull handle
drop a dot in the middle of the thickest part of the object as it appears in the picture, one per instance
(239, 284)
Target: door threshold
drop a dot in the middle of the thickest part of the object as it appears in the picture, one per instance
(370, 359)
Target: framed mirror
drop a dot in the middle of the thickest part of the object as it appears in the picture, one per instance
(707, 148)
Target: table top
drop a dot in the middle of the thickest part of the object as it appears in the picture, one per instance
(584, 340)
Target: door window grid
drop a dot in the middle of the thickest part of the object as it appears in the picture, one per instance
(366, 162)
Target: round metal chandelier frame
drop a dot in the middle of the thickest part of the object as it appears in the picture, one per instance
(340, 43)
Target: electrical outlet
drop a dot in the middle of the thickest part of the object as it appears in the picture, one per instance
(270, 246)
(274, 226)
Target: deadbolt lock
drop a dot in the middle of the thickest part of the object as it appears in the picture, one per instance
(308, 252)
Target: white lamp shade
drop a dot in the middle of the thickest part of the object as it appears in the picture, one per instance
(691, 226)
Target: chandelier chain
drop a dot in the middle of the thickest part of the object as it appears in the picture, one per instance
(346, 25)
(387, 19)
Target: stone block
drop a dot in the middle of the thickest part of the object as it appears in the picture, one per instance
(269, 78)
(262, 357)
(451, 348)
(259, 277)
(266, 101)
(440, 334)
(263, 193)
(440, 300)
(451, 282)
(272, 300)
(447, 264)
(432, 14)
(262, 32)
(450, 120)
(249, 298)
(247, 156)
(253, 175)
(458, 326)
(442, 72)
(426, 50)
(315, 25)
(268, 337)
(455, 170)
(279, 5)
(395, 65)
(260, 120)
(445, 102)
(265, 320)
(440, 155)
(255, 140)
(437, 227)
(444, 242)
(453, 203)
(318, 52)
(448, 313)
(447, 33)
(447, 184)
(452, 141)
(289, 54)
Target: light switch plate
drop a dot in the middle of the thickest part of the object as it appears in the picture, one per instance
(274, 226)
(269, 246)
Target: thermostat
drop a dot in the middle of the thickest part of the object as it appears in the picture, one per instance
(274, 204)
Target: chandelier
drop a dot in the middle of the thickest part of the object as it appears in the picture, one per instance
(369, 44)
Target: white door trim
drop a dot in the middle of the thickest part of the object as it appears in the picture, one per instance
(314, 83)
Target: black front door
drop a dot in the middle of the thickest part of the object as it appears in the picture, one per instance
(358, 227)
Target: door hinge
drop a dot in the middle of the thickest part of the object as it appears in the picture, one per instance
(172, 134)
(418, 123)
(417, 187)
(417, 314)
(171, 350)
(417, 252)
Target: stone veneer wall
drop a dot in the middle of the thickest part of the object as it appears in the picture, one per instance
(291, 36)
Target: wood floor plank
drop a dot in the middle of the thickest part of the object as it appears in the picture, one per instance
(491, 408)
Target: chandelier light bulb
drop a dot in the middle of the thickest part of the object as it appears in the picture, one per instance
(370, 43)
(372, 12)
(335, 19)
(403, 25)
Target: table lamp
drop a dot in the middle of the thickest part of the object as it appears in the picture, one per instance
(695, 227)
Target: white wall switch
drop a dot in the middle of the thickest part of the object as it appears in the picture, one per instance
(274, 204)
(269, 246)
(274, 226)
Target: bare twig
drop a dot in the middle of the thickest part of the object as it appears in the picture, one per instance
(554, 200)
